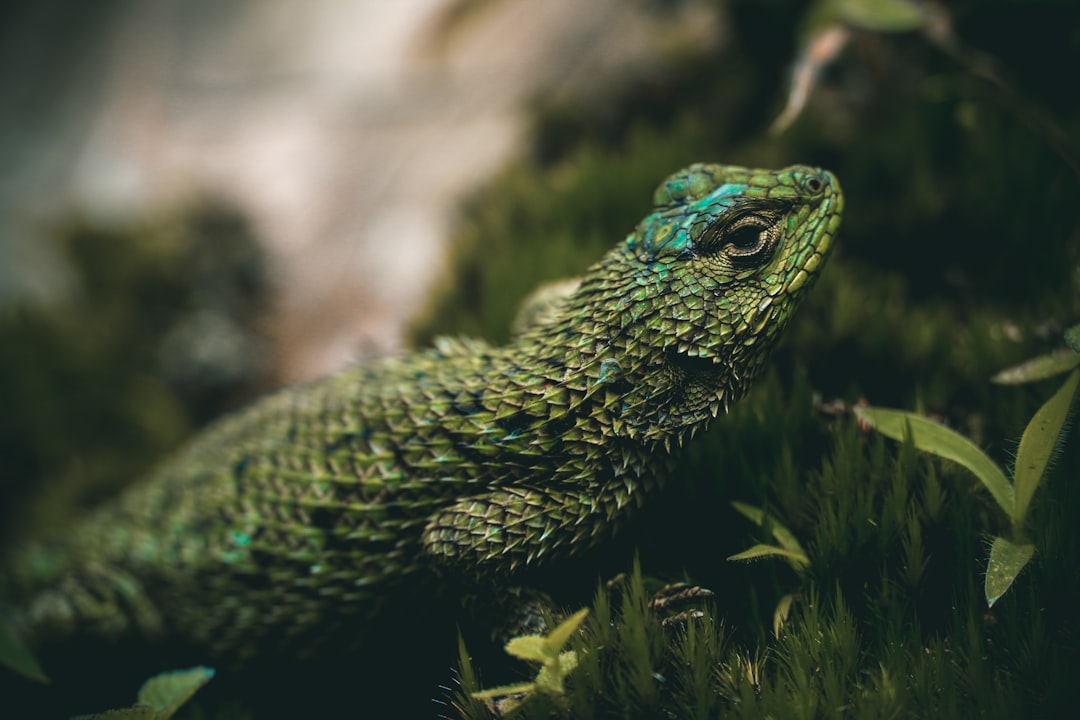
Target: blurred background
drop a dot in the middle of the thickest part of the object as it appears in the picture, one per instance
(344, 132)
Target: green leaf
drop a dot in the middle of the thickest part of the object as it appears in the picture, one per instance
(780, 533)
(166, 692)
(1039, 368)
(561, 634)
(780, 615)
(1037, 445)
(15, 655)
(760, 551)
(1006, 562)
(550, 678)
(1072, 337)
(939, 440)
(879, 15)
(544, 649)
(528, 647)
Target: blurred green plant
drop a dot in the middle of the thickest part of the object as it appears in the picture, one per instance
(1044, 366)
(160, 697)
(15, 655)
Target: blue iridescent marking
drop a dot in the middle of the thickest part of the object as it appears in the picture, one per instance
(667, 231)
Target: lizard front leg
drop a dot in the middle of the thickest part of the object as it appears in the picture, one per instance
(518, 526)
(498, 532)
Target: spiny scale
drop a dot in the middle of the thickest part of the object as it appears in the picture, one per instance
(312, 506)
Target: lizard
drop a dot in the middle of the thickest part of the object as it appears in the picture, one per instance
(310, 508)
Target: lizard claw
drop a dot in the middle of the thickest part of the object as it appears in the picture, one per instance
(679, 603)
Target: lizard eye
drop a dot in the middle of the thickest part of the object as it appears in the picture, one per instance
(750, 241)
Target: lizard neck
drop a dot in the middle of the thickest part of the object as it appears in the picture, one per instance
(619, 365)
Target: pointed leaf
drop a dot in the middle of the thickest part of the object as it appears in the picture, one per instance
(755, 514)
(939, 440)
(760, 551)
(1038, 442)
(780, 533)
(1039, 368)
(1072, 337)
(169, 690)
(528, 647)
(780, 615)
(561, 634)
(1006, 562)
(15, 655)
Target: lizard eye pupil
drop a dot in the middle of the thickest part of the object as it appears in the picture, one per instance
(747, 241)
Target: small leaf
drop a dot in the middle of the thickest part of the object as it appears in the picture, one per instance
(561, 634)
(939, 440)
(1072, 337)
(15, 655)
(780, 615)
(167, 691)
(550, 678)
(1037, 444)
(1039, 368)
(1006, 562)
(528, 647)
(780, 533)
(879, 15)
(755, 514)
(760, 551)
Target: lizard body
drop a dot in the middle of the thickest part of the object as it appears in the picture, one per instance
(310, 507)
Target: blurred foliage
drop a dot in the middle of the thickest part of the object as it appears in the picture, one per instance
(154, 336)
(160, 697)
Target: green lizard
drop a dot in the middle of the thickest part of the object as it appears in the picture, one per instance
(313, 506)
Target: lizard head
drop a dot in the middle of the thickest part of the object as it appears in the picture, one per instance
(698, 294)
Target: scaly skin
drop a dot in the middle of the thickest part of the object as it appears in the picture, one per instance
(308, 509)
